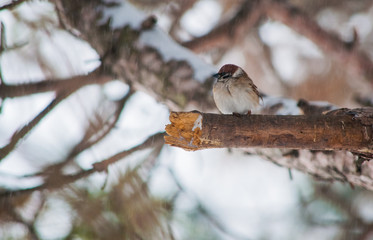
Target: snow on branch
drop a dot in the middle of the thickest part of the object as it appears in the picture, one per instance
(154, 37)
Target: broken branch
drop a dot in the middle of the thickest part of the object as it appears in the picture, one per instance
(339, 131)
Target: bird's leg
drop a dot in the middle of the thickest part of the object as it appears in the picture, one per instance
(249, 112)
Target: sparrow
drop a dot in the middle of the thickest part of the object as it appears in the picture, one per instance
(234, 92)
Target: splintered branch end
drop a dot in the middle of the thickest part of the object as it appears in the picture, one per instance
(185, 130)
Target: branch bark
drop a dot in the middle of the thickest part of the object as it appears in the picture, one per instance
(350, 130)
(73, 83)
(309, 138)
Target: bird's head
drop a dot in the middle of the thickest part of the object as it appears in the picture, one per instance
(229, 71)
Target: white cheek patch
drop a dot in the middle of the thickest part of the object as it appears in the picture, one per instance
(237, 73)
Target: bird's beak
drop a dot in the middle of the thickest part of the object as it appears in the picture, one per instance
(216, 75)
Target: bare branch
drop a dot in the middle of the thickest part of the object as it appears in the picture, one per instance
(232, 30)
(59, 181)
(74, 83)
(90, 139)
(20, 134)
(315, 136)
(350, 130)
(150, 142)
(354, 60)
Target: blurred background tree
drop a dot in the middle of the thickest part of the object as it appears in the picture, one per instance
(86, 89)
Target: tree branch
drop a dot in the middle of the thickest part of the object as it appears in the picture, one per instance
(62, 180)
(307, 139)
(236, 28)
(351, 130)
(74, 83)
(330, 43)
(151, 141)
(93, 135)
(20, 134)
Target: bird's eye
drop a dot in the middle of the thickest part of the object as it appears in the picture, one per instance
(227, 75)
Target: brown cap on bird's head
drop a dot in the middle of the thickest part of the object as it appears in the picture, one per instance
(230, 69)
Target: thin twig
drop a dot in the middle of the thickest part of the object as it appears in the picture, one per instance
(63, 180)
(20, 134)
(87, 141)
(103, 165)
